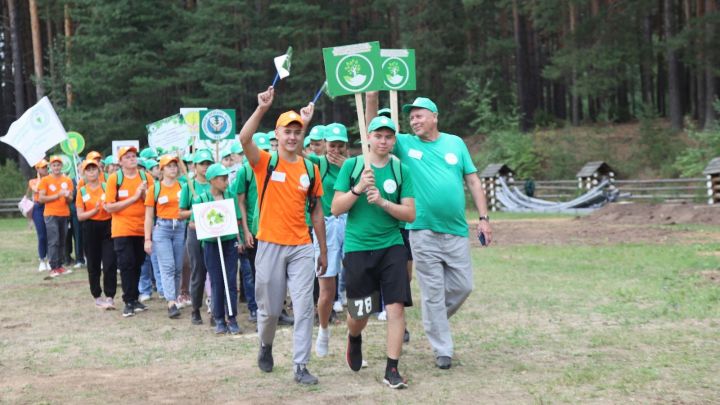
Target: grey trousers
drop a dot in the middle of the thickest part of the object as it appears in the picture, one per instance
(198, 272)
(277, 269)
(56, 228)
(444, 272)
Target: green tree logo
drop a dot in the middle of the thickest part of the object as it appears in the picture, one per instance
(396, 73)
(353, 73)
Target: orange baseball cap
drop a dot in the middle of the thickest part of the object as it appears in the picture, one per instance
(166, 159)
(94, 155)
(42, 163)
(289, 117)
(55, 158)
(126, 149)
(88, 162)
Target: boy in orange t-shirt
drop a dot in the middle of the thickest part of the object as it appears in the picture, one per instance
(56, 191)
(285, 253)
(125, 201)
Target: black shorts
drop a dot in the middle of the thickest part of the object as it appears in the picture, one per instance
(406, 240)
(383, 270)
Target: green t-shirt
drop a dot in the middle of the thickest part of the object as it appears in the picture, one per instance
(439, 168)
(201, 188)
(369, 227)
(207, 197)
(241, 185)
(328, 180)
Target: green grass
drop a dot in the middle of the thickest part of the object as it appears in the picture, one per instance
(559, 324)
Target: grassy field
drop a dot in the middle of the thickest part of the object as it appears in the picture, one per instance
(615, 323)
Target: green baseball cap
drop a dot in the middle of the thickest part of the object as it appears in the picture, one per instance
(203, 155)
(110, 160)
(306, 142)
(188, 158)
(385, 111)
(236, 147)
(317, 133)
(148, 153)
(215, 170)
(420, 102)
(336, 132)
(262, 140)
(381, 122)
(225, 152)
(271, 135)
(149, 163)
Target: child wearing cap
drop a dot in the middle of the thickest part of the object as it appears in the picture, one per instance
(97, 237)
(150, 268)
(55, 191)
(198, 273)
(376, 198)
(124, 199)
(231, 246)
(111, 165)
(166, 207)
(41, 169)
(284, 252)
(334, 149)
(316, 139)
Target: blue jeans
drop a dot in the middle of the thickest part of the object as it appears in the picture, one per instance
(248, 282)
(150, 266)
(169, 244)
(212, 263)
(39, 221)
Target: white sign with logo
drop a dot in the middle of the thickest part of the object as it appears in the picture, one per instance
(215, 219)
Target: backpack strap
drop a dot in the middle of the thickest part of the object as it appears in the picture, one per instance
(358, 167)
(272, 163)
(324, 166)
(249, 174)
(83, 193)
(396, 168)
(311, 198)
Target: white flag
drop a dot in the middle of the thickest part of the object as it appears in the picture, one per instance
(283, 62)
(36, 131)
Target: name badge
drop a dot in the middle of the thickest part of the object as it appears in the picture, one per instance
(52, 187)
(361, 308)
(278, 176)
(123, 193)
(163, 200)
(415, 154)
(102, 197)
(86, 197)
(63, 186)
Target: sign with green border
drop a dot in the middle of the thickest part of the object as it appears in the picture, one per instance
(398, 69)
(74, 144)
(216, 125)
(353, 69)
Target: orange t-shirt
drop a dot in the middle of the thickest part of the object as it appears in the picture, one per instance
(282, 218)
(168, 202)
(131, 220)
(82, 180)
(90, 200)
(34, 184)
(52, 186)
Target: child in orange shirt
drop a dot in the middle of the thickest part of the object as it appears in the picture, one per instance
(56, 191)
(97, 240)
(125, 201)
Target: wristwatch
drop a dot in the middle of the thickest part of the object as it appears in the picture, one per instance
(484, 218)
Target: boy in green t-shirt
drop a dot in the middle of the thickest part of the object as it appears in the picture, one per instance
(375, 256)
(232, 246)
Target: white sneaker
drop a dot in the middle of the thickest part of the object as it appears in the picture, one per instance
(43, 266)
(343, 298)
(364, 364)
(337, 306)
(78, 265)
(382, 316)
(321, 344)
(144, 297)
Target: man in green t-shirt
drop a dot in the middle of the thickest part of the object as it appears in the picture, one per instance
(441, 166)
(376, 198)
(335, 142)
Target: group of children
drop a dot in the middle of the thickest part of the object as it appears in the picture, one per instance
(306, 212)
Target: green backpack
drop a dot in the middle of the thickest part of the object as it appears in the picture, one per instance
(395, 167)
(120, 178)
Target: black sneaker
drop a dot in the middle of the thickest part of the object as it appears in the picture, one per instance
(394, 380)
(265, 358)
(220, 327)
(128, 310)
(406, 336)
(253, 317)
(354, 353)
(195, 318)
(285, 319)
(173, 312)
(303, 376)
(233, 327)
(138, 306)
(443, 362)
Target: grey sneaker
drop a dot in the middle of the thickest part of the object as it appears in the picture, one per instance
(303, 376)
(265, 358)
(443, 362)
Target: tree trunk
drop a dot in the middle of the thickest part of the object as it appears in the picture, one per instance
(15, 44)
(69, 98)
(646, 58)
(675, 107)
(50, 42)
(522, 69)
(710, 81)
(37, 49)
(574, 98)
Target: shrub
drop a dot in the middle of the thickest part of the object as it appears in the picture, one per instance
(12, 182)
